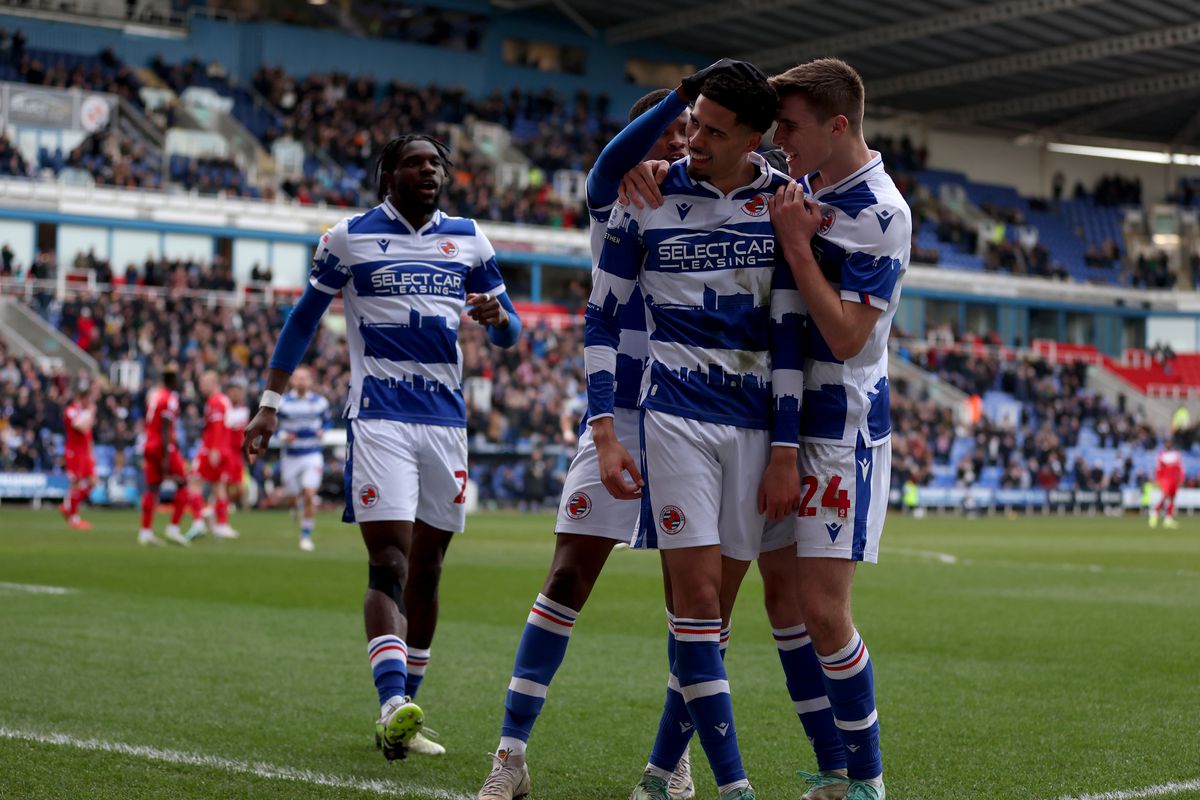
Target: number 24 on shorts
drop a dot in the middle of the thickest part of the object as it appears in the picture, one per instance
(833, 497)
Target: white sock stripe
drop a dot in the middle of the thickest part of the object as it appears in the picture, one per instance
(553, 626)
(527, 687)
(417, 653)
(714, 637)
(858, 724)
(559, 607)
(849, 669)
(809, 706)
(843, 653)
(672, 682)
(416, 669)
(704, 689)
(788, 632)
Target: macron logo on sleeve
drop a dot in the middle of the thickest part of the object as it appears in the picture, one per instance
(885, 218)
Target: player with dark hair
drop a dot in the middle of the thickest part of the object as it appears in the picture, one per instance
(78, 459)
(590, 522)
(407, 272)
(845, 231)
(162, 460)
(719, 398)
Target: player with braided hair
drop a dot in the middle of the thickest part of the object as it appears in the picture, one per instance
(407, 273)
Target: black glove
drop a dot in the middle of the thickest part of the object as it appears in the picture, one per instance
(692, 84)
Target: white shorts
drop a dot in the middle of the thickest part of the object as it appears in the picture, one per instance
(301, 472)
(403, 471)
(702, 482)
(586, 507)
(843, 500)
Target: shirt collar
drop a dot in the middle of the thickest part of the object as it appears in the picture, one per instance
(391, 213)
(859, 175)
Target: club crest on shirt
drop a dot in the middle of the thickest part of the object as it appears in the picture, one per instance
(579, 505)
(671, 519)
(448, 248)
(828, 217)
(755, 206)
(368, 495)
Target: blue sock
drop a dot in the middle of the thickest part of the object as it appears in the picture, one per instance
(806, 686)
(675, 727)
(705, 689)
(389, 665)
(850, 684)
(306, 527)
(541, 651)
(418, 660)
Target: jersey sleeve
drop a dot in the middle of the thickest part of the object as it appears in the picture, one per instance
(614, 282)
(331, 262)
(787, 357)
(877, 251)
(625, 151)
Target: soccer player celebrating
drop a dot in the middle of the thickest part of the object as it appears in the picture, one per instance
(211, 467)
(161, 459)
(78, 459)
(1168, 474)
(235, 427)
(842, 221)
(590, 521)
(303, 418)
(407, 272)
(705, 263)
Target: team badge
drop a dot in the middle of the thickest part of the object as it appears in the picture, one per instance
(828, 217)
(447, 248)
(671, 519)
(756, 206)
(579, 505)
(368, 495)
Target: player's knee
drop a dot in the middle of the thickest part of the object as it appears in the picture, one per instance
(701, 601)
(425, 569)
(389, 579)
(568, 583)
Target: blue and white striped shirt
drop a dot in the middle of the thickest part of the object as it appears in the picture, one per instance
(302, 420)
(862, 246)
(725, 318)
(404, 292)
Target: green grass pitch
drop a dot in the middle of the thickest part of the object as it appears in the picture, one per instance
(1050, 657)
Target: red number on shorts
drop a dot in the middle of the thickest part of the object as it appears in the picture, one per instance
(834, 498)
(810, 488)
(461, 474)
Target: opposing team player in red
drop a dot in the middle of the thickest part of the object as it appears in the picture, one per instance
(161, 458)
(79, 462)
(212, 463)
(235, 425)
(1168, 474)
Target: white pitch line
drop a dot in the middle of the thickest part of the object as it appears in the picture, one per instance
(1161, 790)
(948, 558)
(945, 558)
(255, 768)
(33, 588)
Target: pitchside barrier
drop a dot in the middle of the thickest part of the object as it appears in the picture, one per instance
(1044, 501)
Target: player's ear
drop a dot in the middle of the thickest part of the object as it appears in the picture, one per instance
(840, 125)
(754, 141)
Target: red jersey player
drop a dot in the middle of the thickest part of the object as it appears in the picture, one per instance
(235, 425)
(162, 459)
(1168, 474)
(212, 460)
(78, 459)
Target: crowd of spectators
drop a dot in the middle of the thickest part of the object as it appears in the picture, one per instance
(1153, 271)
(101, 73)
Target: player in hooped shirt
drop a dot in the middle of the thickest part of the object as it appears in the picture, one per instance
(407, 273)
(162, 460)
(590, 521)
(1168, 474)
(212, 462)
(78, 459)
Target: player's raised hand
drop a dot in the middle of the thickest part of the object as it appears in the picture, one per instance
(795, 217)
(640, 185)
(779, 492)
(486, 310)
(692, 84)
(258, 433)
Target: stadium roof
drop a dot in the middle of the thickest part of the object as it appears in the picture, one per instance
(1117, 69)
